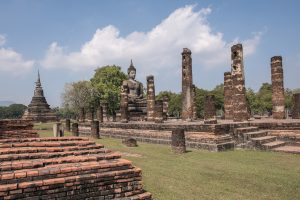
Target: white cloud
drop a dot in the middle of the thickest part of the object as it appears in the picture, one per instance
(12, 61)
(159, 48)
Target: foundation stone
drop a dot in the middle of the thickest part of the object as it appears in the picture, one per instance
(178, 141)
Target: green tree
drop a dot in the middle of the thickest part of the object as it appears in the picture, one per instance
(107, 82)
(288, 98)
(200, 96)
(218, 92)
(174, 102)
(78, 95)
(264, 96)
(14, 111)
(253, 102)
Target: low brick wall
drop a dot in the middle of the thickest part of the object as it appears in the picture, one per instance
(66, 168)
(278, 125)
(197, 140)
(215, 128)
(17, 129)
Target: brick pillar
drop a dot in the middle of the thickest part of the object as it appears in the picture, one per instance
(75, 130)
(178, 141)
(187, 82)
(124, 104)
(240, 111)
(228, 95)
(58, 130)
(68, 124)
(209, 107)
(165, 107)
(194, 103)
(89, 114)
(104, 109)
(95, 129)
(277, 88)
(158, 111)
(296, 106)
(100, 114)
(150, 98)
(82, 114)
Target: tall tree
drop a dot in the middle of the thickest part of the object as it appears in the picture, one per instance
(107, 82)
(78, 95)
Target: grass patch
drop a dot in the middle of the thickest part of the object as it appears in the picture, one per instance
(208, 175)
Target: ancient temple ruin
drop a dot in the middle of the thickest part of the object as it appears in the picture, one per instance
(240, 110)
(228, 110)
(187, 85)
(278, 110)
(296, 107)
(150, 98)
(39, 110)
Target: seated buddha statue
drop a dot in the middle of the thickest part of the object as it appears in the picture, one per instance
(137, 104)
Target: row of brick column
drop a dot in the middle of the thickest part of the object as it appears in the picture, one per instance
(235, 104)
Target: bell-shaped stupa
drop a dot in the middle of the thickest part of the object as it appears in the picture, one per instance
(39, 110)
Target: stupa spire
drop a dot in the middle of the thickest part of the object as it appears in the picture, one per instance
(38, 82)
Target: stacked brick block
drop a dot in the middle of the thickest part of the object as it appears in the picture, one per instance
(150, 98)
(296, 106)
(187, 85)
(277, 88)
(240, 109)
(228, 95)
(66, 168)
(16, 129)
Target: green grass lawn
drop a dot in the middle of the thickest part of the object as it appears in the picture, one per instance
(200, 174)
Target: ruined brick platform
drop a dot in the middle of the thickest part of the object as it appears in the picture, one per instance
(17, 129)
(226, 134)
(66, 168)
(197, 140)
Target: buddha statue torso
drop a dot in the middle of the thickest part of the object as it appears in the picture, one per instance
(137, 104)
(135, 90)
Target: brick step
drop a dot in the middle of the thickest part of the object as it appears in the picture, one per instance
(288, 149)
(48, 144)
(241, 124)
(22, 150)
(272, 145)
(210, 141)
(143, 196)
(12, 157)
(23, 165)
(242, 130)
(19, 131)
(45, 139)
(255, 134)
(111, 174)
(258, 141)
(296, 144)
(211, 147)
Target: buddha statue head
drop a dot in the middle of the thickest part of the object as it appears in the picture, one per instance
(131, 71)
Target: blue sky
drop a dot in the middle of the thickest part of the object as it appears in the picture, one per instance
(67, 40)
